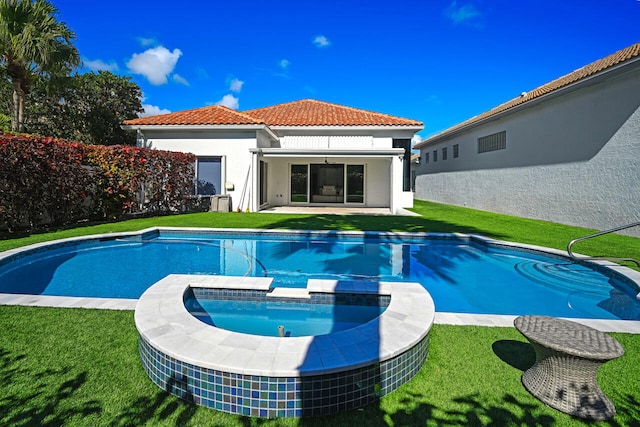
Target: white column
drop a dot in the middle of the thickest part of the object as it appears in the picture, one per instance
(253, 186)
(396, 184)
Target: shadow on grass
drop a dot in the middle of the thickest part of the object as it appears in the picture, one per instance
(375, 223)
(414, 409)
(159, 407)
(518, 354)
(46, 403)
(281, 221)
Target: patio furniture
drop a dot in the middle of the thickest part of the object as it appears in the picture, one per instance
(568, 355)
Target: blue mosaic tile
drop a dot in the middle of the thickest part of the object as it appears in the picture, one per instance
(263, 396)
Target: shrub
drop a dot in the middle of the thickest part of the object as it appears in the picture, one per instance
(48, 181)
(130, 179)
(41, 180)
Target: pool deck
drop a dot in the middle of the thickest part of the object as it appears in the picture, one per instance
(625, 326)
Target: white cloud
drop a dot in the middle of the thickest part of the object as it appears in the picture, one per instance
(144, 41)
(229, 101)
(462, 14)
(155, 64)
(100, 65)
(180, 80)
(416, 139)
(321, 41)
(236, 85)
(283, 70)
(153, 110)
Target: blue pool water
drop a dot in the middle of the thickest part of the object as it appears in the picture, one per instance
(264, 318)
(461, 275)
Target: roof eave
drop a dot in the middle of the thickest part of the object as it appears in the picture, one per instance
(587, 81)
(414, 128)
(256, 127)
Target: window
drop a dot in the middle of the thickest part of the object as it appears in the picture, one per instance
(326, 182)
(355, 183)
(426, 158)
(493, 142)
(435, 155)
(299, 183)
(208, 180)
(455, 151)
(444, 153)
(406, 162)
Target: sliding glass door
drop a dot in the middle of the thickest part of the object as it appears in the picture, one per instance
(325, 183)
(355, 183)
(299, 184)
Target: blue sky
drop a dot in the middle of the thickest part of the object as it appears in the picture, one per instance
(437, 61)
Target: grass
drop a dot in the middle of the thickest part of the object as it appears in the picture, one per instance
(81, 367)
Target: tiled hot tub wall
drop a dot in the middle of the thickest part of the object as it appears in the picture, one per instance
(263, 396)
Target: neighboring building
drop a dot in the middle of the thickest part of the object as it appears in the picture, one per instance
(302, 153)
(567, 151)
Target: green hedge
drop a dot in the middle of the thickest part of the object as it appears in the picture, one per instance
(46, 181)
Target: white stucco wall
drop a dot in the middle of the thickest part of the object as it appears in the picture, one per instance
(238, 150)
(573, 160)
(233, 147)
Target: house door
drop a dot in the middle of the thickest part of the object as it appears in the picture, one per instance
(327, 183)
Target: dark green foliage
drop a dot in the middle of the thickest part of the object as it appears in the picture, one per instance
(85, 107)
(33, 44)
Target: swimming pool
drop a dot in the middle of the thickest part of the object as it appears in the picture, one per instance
(464, 274)
(260, 316)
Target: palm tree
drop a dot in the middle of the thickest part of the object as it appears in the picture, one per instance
(33, 42)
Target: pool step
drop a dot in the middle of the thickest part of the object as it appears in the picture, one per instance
(289, 293)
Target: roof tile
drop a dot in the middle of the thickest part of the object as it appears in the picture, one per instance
(310, 112)
(306, 112)
(612, 60)
(211, 115)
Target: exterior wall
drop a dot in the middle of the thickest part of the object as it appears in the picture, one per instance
(336, 139)
(377, 179)
(233, 147)
(383, 182)
(573, 160)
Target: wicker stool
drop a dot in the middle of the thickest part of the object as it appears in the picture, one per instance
(568, 356)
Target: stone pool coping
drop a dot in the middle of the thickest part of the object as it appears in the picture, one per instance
(164, 322)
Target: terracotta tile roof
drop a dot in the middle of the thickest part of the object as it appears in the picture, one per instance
(306, 112)
(310, 112)
(212, 115)
(612, 60)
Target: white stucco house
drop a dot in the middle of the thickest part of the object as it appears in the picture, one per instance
(302, 153)
(567, 151)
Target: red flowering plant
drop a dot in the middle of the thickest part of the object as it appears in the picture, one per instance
(140, 180)
(42, 181)
(169, 181)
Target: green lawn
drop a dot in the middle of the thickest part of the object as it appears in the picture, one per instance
(81, 367)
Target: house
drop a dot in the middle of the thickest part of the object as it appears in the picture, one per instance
(302, 153)
(567, 151)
